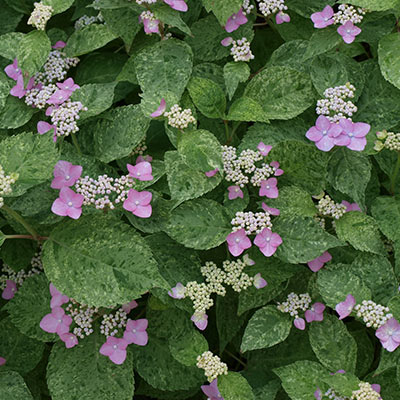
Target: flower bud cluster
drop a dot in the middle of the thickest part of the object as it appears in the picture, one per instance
(235, 277)
(178, 118)
(37, 98)
(40, 15)
(212, 365)
(349, 13)
(241, 51)
(365, 392)
(112, 323)
(200, 294)
(387, 140)
(86, 20)
(321, 221)
(331, 394)
(252, 223)
(140, 2)
(247, 7)
(374, 315)
(327, 207)
(5, 184)
(335, 106)
(294, 303)
(65, 117)
(214, 277)
(82, 315)
(268, 7)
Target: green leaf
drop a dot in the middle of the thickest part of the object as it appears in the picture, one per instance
(246, 109)
(222, 9)
(119, 131)
(386, 211)
(303, 239)
(267, 327)
(100, 261)
(9, 44)
(372, 5)
(89, 38)
(333, 345)
(361, 231)
(29, 305)
(93, 375)
(30, 155)
(171, 17)
(282, 92)
(199, 224)
(388, 50)
(2, 238)
(15, 113)
(9, 19)
(234, 387)
(234, 73)
(321, 41)
(208, 97)
(58, 6)
(12, 386)
(349, 172)
(163, 71)
(33, 51)
(188, 348)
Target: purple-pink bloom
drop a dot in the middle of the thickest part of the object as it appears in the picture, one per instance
(65, 174)
(278, 171)
(138, 203)
(10, 290)
(316, 313)
(59, 45)
(238, 242)
(299, 323)
(135, 332)
(318, 394)
(351, 207)
(18, 90)
(264, 149)
(12, 70)
(210, 174)
(227, 41)
(56, 322)
(345, 308)
(200, 320)
(151, 25)
(160, 110)
(57, 298)
(68, 204)
(270, 210)
(376, 387)
(141, 171)
(59, 96)
(2, 361)
(69, 339)
(177, 292)
(282, 17)
(143, 158)
(235, 20)
(68, 85)
(323, 133)
(235, 192)
(269, 188)
(211, 390)
(323, 18)
(267, 241)
(259, 281)
(178, 5)
(44, 127)
(115, 349)
(128, 307)
(353, 134)
(316, 264)
(389, 334)
(348, 31)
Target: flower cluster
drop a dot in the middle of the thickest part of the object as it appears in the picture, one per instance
(366, 391)
(5, 184)
(387, 140)
(327, 207)
(40, 15)
(179, 5)
(240, 49)
(268, 7)
(231, 274)
(212, 365)
(316, 264)
(178, 118)
(247, 7)
(150, 22)
(252, 223)
(56, 66)
(82, 316)
(296, 303)
(373, 314)
(346, 16)
(112, 323)
(86, 20)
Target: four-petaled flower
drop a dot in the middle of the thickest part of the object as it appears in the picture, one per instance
(57, 298)
(267, 241)
(278, 171)
(323, 133)
(345, 308)
(10, 290)
(282, 17)
(139, 203)
(238, 242)
(200, 320)
(177, 292)
(128, 307)
(353, 134)
(235, 192)
(69, 339)
(316, 313)
(211, 390)
(151, 25)
(235, 20)
(68, 204)
(68, 85)
(141, 171)
(351, 206)
(348, 31)
(299, 323)
(12, 70)
(389, 334)
(59, 97)
(135, 332)
(269, 188)
(264, 149)
(56, 322)
(44, 127)
(115, 349)
(323, 18)
(65, 174)
(259, 281)
(316, 264)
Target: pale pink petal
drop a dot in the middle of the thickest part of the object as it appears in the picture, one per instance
(143, 211)
(211, 173)
(227, 41)
(357, 144)
(259, 281)
(314, 134)
(200, 320)
(326, 143)
(59, 208)
(160, 110)
(299, 323)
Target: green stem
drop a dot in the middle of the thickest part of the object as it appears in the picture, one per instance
(18, 218)
(76, 144)
(26, 237)
(228, 138)
(234, 357)
(393, 178)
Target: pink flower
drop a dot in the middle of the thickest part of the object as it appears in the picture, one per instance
(68, 204)
(299, 323)
(141, 171)
(267, 241)
(316, 313)
(282, 17)
(138, 203)
(238, 242)
(57, 298)
(18, 90)
(351, 207)
(56, 322)
(345, 308)
(135, 332)
(160, 110)
(269, 188)
(235, 20)
(178, 5)
(264, 149)
(234, 192)
(59, 96)
(69, 339)
(278, 171)
(144, 158)
(211, 390)
(49, 110)
(227, 41)
(2, 361)
(128, 307)
(259, 281)
(316, 264)
(115, 349)
(177, 292)
(248, 261)
(353, 134)
(44, 127)
(210, 174)
(318, 394)
(389, 335)
(59, 45)
(68, 85)
(10, 290)
(376, 387)
(323, 18)
(348, 32)
(200, 320)
(65, 174)
(12, 70)
(323, 133)
(270, 210)
(151, 25)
